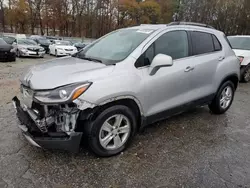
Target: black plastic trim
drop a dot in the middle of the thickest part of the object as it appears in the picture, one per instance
(176, 110)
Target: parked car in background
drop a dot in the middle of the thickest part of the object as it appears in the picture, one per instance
(43, 42)
(80, 45)
(21, 36)
(61, 48)
(9, 39)
(241, 47)
(7, 51)
(28, 48)
(52, 38)
(34, 37)
(124, 81)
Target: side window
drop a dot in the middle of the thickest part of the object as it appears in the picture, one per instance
(202, 43)
(174, 44)
(217, 44)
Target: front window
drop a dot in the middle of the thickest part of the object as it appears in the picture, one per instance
(242, 43)
(116, 46)
(62, 42)
(26, 42)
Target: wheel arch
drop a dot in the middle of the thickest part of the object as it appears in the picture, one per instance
(233, 78)
(128, 101)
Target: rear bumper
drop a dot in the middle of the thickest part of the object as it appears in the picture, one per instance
(51, 140)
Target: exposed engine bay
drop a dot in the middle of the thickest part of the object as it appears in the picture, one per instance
(57, 118)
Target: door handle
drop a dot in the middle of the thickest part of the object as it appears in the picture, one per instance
(221, 58)
(188, 69)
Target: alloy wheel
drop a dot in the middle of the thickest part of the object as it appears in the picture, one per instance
(226, 97)
(114, 132)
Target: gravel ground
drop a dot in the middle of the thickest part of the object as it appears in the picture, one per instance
(195, 149)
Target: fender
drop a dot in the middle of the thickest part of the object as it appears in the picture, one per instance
(124, 97)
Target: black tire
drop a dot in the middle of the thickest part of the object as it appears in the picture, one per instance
(56, 53)
(93, 129)
(246, 74)
(215, 106)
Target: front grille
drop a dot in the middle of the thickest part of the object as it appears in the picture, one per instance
(33, 49)
(68, 49)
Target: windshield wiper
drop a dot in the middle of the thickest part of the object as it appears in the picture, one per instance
(91, 59)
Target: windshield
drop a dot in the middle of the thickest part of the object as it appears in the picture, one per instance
(116, 46)
(26, 42)
(2, 42)
(242, 43)
(63, 42)
(9, 40)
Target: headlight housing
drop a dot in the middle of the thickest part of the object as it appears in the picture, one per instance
(23, 49)
(12, 49)
(64, 94)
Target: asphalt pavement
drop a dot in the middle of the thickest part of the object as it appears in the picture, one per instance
(194, 149)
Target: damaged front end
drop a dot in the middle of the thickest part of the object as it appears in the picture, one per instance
(52, 126)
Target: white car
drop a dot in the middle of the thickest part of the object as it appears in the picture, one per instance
(241, 47)
(61, 48)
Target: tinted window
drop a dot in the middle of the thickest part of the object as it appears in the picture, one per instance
(174, 44)
(202, 43)
(217, 45)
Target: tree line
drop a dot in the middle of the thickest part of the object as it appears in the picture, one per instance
(94, 18)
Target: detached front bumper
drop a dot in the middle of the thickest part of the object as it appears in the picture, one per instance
(51, 140)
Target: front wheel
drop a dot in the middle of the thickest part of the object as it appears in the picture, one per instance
(223, 99)
(111, 131)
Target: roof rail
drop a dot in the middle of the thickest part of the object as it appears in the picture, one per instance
(190, 23)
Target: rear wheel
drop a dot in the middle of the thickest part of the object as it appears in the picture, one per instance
(111, 131)
(223, 99)
(246, 74)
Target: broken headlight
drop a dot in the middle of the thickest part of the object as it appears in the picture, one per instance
(63, 94)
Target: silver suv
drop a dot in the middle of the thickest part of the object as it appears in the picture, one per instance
(124, 81)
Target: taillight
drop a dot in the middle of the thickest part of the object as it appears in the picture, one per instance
(241, 59)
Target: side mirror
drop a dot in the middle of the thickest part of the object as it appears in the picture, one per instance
(159, 61)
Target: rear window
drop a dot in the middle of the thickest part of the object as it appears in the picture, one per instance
(202, 43)
(217, 44)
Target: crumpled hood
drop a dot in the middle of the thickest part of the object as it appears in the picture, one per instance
(243, 53)
(62, 71)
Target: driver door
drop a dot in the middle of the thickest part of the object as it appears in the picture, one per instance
(169, 88)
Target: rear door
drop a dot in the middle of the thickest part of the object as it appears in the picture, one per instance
(207, 55)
